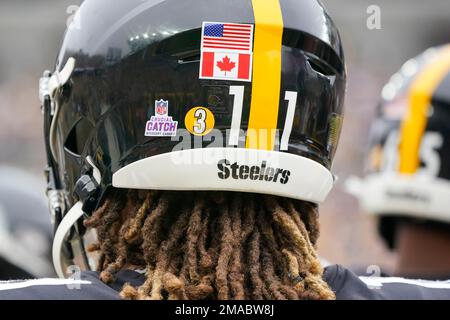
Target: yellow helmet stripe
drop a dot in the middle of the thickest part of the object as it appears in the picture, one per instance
(266, 82)
(415, 122)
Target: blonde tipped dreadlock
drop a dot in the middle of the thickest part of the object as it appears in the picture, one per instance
(199, 245)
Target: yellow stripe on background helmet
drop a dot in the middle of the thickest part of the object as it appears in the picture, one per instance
(415, 122)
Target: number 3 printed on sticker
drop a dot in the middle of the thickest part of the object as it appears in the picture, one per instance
(238, 93)
(200, 125)
(200, 121)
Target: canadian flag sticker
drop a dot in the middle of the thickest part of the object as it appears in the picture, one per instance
(227, 51)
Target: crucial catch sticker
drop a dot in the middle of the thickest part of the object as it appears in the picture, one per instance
(161, 124)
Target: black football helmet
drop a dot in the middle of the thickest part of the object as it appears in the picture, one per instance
(238, 95)
(408, 171)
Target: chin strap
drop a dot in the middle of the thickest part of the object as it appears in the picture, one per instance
(64, 227)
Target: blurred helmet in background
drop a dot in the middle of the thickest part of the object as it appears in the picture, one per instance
(25, 228)
(408, 165)
(137, 78)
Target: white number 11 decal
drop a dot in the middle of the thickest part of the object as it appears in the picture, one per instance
(238, 93)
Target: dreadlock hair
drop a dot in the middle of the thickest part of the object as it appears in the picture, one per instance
(210, 245)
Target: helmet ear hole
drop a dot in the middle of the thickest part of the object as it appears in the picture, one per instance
(78, 136)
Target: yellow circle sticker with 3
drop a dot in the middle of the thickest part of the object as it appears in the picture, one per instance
(200, 121)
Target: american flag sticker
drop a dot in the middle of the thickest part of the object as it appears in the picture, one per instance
(226, 51)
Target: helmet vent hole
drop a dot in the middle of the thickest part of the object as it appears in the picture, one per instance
(321, 68)
(194, 57)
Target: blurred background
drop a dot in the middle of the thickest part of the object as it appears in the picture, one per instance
(31, 32)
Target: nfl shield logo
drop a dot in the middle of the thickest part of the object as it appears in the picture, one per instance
(161, 124)
(161, 108)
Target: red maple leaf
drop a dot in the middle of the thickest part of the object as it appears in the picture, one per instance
(226, 65)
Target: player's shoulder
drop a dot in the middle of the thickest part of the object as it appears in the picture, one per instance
(348, 286)
(86, 287)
